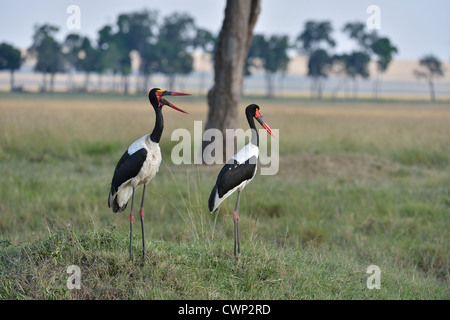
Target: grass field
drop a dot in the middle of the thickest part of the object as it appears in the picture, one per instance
(360, 183)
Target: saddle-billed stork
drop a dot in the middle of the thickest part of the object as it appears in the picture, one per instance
(239, 171)
(140, 163)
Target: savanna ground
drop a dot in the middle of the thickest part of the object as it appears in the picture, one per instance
(359, 183)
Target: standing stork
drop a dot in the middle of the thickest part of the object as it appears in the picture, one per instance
(140, 163)
(239, 171)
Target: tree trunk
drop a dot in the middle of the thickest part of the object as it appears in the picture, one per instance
(376, 85)
(171, 81)
(319, 88)
(44, 82)
(432, 95)
(355, 88)
(52, 82)
(313, 87)
(100, 82)
(269, 85)
(114, 83)
(86, 81)
(69, 83)
(146, 82)
(234, 43)
(281, 84)
(12, 80)
(125, 84)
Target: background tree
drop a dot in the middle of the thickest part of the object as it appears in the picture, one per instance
(431, 69)
(47, 52)
(371, 44)
(314, 35)
(88, 60)
(99, 66)
(175, 39)
(358, 32)
(232, 48)
(121, 42)
(206, 42)
(110, 54)
(356, 64)
(278, 59)
(384, 51)
(270, 54)
(149, 65)
(319, 66)
(122, 60)
(138, 31)
(124, 68)
(138, 28)
(111, 60)
(71, 49)
(11, 60)
(313, 41)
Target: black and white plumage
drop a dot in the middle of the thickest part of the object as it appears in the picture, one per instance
(140, 163)
(137, 166)
(239, 171)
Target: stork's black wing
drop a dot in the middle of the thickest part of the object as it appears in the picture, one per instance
(233, 174)
(127, 168)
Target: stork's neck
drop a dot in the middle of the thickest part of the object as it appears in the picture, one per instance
(255, 137)
(159, 126)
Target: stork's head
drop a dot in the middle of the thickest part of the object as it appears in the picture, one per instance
(156, 98)
(252, 111)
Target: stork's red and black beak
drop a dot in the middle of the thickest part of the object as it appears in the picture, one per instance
(163, 102)
(260, 119)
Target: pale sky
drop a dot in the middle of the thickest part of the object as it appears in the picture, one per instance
(416, 27)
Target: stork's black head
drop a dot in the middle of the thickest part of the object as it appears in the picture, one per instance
(155, 96)
(252, 111)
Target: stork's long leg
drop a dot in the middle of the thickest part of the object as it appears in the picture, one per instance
(131, 223)
(141, 214)
(237, 241)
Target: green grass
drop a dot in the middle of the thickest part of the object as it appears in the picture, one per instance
(358, 185)
(198, 269)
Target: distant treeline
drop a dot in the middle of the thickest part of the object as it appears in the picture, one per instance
(166, 46)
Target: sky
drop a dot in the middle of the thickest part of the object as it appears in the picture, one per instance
(416, 27)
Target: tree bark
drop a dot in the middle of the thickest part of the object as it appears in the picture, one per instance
(44, 82)
(125, 84)
(145, 87)
(52, 82)
(100, 82)
(319, 88)
(234, 42)
(269, 85)
(86, 81)
(432, 95)
(171, 81)
(376, 85)
(11, 79)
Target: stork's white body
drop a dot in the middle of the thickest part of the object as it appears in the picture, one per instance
(149, 168)
(247, 152)
(151, 165)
